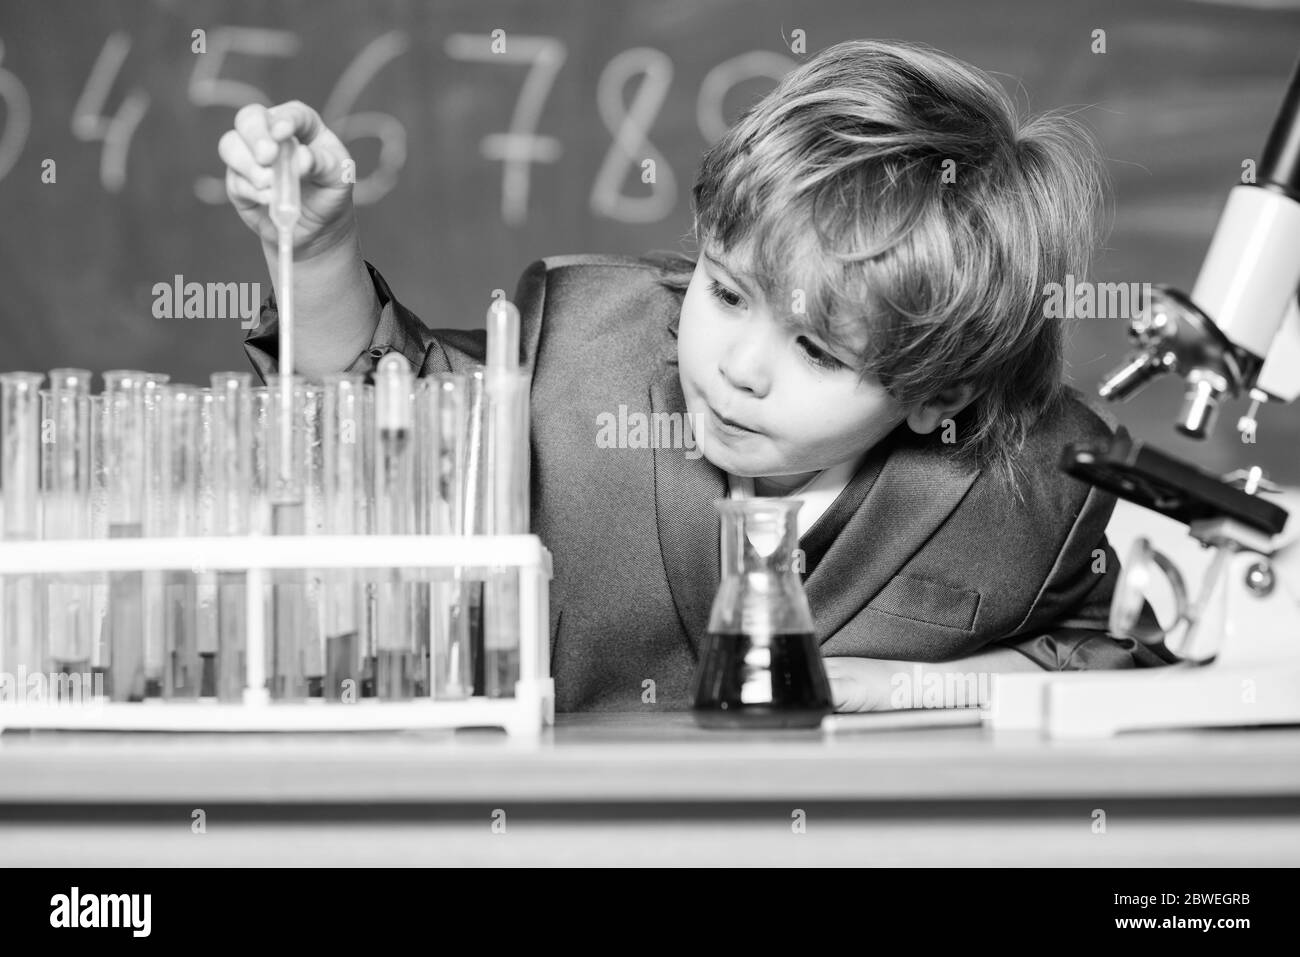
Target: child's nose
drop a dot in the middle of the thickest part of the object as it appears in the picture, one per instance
(745, 367)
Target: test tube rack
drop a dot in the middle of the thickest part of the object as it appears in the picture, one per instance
(524, 716)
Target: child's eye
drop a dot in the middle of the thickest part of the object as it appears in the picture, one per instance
(724, 295)
(817, 355)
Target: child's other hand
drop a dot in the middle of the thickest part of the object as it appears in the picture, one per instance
(326, 170)
(860, 684)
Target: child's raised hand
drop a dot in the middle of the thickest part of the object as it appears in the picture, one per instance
(324, 165)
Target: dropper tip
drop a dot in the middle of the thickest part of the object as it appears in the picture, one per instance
(503, 335)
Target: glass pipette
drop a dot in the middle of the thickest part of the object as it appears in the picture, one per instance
(289, 599)
(286, 207)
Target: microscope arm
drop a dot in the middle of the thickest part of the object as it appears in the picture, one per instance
(1279, 378)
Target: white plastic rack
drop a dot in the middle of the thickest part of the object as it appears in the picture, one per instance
(525, 715)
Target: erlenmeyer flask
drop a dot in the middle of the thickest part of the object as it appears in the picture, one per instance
(760, 665)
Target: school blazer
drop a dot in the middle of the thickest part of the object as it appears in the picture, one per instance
(919, 559)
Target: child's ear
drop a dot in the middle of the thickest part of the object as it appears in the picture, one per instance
(926, 417)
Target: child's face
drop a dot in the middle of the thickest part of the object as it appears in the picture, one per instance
(768, 399)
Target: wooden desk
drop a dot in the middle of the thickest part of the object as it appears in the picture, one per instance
(652, 789)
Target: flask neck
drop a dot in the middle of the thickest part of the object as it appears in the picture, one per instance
(759, 537)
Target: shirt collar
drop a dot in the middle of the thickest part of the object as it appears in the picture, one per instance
(818, 493)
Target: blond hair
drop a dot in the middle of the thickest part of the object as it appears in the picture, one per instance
(898, 191)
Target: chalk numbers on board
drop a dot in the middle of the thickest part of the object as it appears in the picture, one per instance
(207, 87)
(631, 147)
(89, 124)
(521, 145)
(629, 125)
(631, 153)
(348, 126)
(18, 116)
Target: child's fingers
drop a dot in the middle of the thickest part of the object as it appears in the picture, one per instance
(294, 118)
(317, 164)
(854, 684)
(251, 124)
(234, 152)
(243, 193)
(847, 695)
(251, 147)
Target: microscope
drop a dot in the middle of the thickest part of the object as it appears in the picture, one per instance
(1238, 333)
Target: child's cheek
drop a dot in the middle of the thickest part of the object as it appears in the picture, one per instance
(692, 346)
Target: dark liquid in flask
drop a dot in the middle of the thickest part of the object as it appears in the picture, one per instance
(761, 681)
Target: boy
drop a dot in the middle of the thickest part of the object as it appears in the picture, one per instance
(863, 327)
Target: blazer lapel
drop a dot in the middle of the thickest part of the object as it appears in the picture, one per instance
(826, 529)
(919, 485)
(685, 490)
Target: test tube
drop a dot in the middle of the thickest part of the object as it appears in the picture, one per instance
(289, 599)
(368, 524)
(313, 472)
(23, 647)
(154, 524)
(424, 437)
(233, 491)
(205, 583)
(507, 447)
(445, 406)
(182, 671)
(259, 460)
(98, 529)
(395, 515)
(65, 429)
(344, 493)
(264, 434)
(477, 488)
(125, 475)
(507, 400)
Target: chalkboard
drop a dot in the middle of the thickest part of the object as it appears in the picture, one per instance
(471, 163)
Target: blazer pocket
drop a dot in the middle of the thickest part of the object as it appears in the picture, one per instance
(932, 602)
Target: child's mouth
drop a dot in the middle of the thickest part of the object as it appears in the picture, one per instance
(729, 426)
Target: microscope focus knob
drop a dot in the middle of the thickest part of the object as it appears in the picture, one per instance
(1260, 579)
